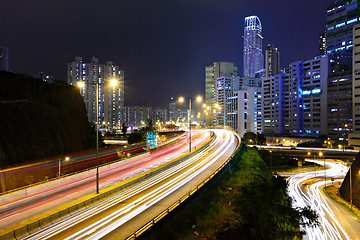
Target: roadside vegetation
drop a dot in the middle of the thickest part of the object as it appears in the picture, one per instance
(244, 202)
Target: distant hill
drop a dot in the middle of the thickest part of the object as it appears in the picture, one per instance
(345, 186)
(39, 119)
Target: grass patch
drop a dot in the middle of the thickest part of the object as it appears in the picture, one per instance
(337, 199)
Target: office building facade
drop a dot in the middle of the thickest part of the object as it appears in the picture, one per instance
(341, 17)
(354, 137)
(224, 87)
(253, 53)
(244, 110)
(111, 99)
(272, 61)
(339, 100)
(295, 102)
(217, 74)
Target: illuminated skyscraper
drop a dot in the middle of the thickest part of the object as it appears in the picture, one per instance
(253, 53)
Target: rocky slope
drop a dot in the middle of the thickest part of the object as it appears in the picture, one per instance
(39, 119)
(355, 180)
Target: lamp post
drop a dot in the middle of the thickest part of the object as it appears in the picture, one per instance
(321, 154)
(212, 110)
(113, 83)
(350, 188)
(66, 159)
(309, 153)
(181, 100)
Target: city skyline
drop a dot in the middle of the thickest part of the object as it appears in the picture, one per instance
(151, 45)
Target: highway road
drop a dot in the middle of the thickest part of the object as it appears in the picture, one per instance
(121, 215)
(306, 190)
(32, 202)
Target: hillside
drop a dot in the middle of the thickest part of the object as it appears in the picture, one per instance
(39, 119)
(345, 187)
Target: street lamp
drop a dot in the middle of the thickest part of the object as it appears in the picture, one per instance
(181, 100)
(320, 155)
(113, 82)
(211, 109)
(309, 153)
(66, 159)
(350, 188)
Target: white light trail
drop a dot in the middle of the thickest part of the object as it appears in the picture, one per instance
(193, 166)
(310, 195)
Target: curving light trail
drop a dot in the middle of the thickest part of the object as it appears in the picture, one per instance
(127, 205)
(305, 192)
(54, 194)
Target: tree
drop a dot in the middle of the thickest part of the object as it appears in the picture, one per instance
(123, 129)
(136, 136)
(150, 125)
(170, 126)
(249, 138)
(261, 139)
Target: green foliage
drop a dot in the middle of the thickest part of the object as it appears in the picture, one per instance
(170, 126)
(253, 138)
(123, 129)
(246, 202)
(266, 156)
(150, 125)
(136, 136)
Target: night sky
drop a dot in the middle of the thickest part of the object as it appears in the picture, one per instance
(163, 45)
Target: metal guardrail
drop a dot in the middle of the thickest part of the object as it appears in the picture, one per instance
(51, 219)
(156, 219)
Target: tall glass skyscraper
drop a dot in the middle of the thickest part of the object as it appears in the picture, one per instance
(253, 54)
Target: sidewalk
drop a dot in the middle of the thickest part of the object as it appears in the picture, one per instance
(332, 191)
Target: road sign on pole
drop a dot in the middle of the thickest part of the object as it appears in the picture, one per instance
(152, 139)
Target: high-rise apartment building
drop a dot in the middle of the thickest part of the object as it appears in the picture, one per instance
(253, 53)
(177, 111)
(111, 99)
(217, 74)
(272, 61)
(273, 104)
(137, 116)
(354, 138)
(356, 78)
(339, 100)
(295, 102)
(161, 115)
(244, 110)
(341, 16)
(224, 87)
(4, 59)
(322, 43)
